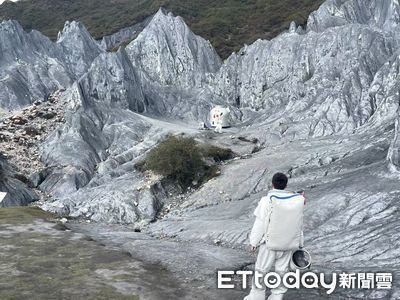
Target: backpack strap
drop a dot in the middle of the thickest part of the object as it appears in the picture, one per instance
(284, 197)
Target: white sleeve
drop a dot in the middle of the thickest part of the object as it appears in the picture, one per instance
(262, 208)
(260, 224)
(301, 244)
(257, 232)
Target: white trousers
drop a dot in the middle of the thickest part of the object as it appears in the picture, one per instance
(266, 259)
(218, 128)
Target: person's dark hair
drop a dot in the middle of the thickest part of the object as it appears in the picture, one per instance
(279, 180)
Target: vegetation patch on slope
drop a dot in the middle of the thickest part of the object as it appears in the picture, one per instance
(185, 161)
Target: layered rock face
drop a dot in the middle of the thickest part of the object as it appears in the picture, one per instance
(318, 82)
(18, 193)
(32, 67)
(123, 36)
(384, 14)
(394, 151)
(77, 48)
(95, 176)
(169, 53)
(107, 135)
(336, 76)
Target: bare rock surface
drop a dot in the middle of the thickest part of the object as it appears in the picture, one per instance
(124, 36)
(170, 53)
(32, 67)
(21, 134)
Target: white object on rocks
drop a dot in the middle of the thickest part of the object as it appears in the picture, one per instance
(202, 126)
(220, 117)
(2, 196)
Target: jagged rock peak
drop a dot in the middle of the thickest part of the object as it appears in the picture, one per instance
(112, 81)
(10, 25)
(79, 47)
(170, 53)
(32, 66)
(9, 31)
(292, 27)
(163, 15)
(13, 38)
(384, 14)
(73, 30)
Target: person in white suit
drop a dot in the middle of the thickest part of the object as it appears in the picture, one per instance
(218, 126)
(276, 233)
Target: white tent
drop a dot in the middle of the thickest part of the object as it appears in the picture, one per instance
(220, 114)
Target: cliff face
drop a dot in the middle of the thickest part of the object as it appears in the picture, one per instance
(394, 150)
(168, 52)
(383, 14)
(32, 67)
(18, 194)
(324, 79)
(77, 48)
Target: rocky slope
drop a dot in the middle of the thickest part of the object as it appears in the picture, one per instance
(394, 151)
(32, 67)
(319, 103)
(18, 193)
(21, 134)
(383, 14)
(123, 36)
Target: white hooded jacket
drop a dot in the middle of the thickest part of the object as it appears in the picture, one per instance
(279, 221)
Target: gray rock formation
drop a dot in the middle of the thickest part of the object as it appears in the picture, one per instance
(384, 14)
(288, 88)
(106, 137)
(77, 48)
(394, 151)
(15, 185)
(317, 83)
(168, 52)
(32, 67)
(29, 67)
(123, 36)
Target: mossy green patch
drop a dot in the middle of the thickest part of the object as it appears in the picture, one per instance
(183, 160)
(21, 215)
(38, 261)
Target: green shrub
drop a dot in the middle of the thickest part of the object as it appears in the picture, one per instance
(183, 160)
(216, 153)
(178, 158)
